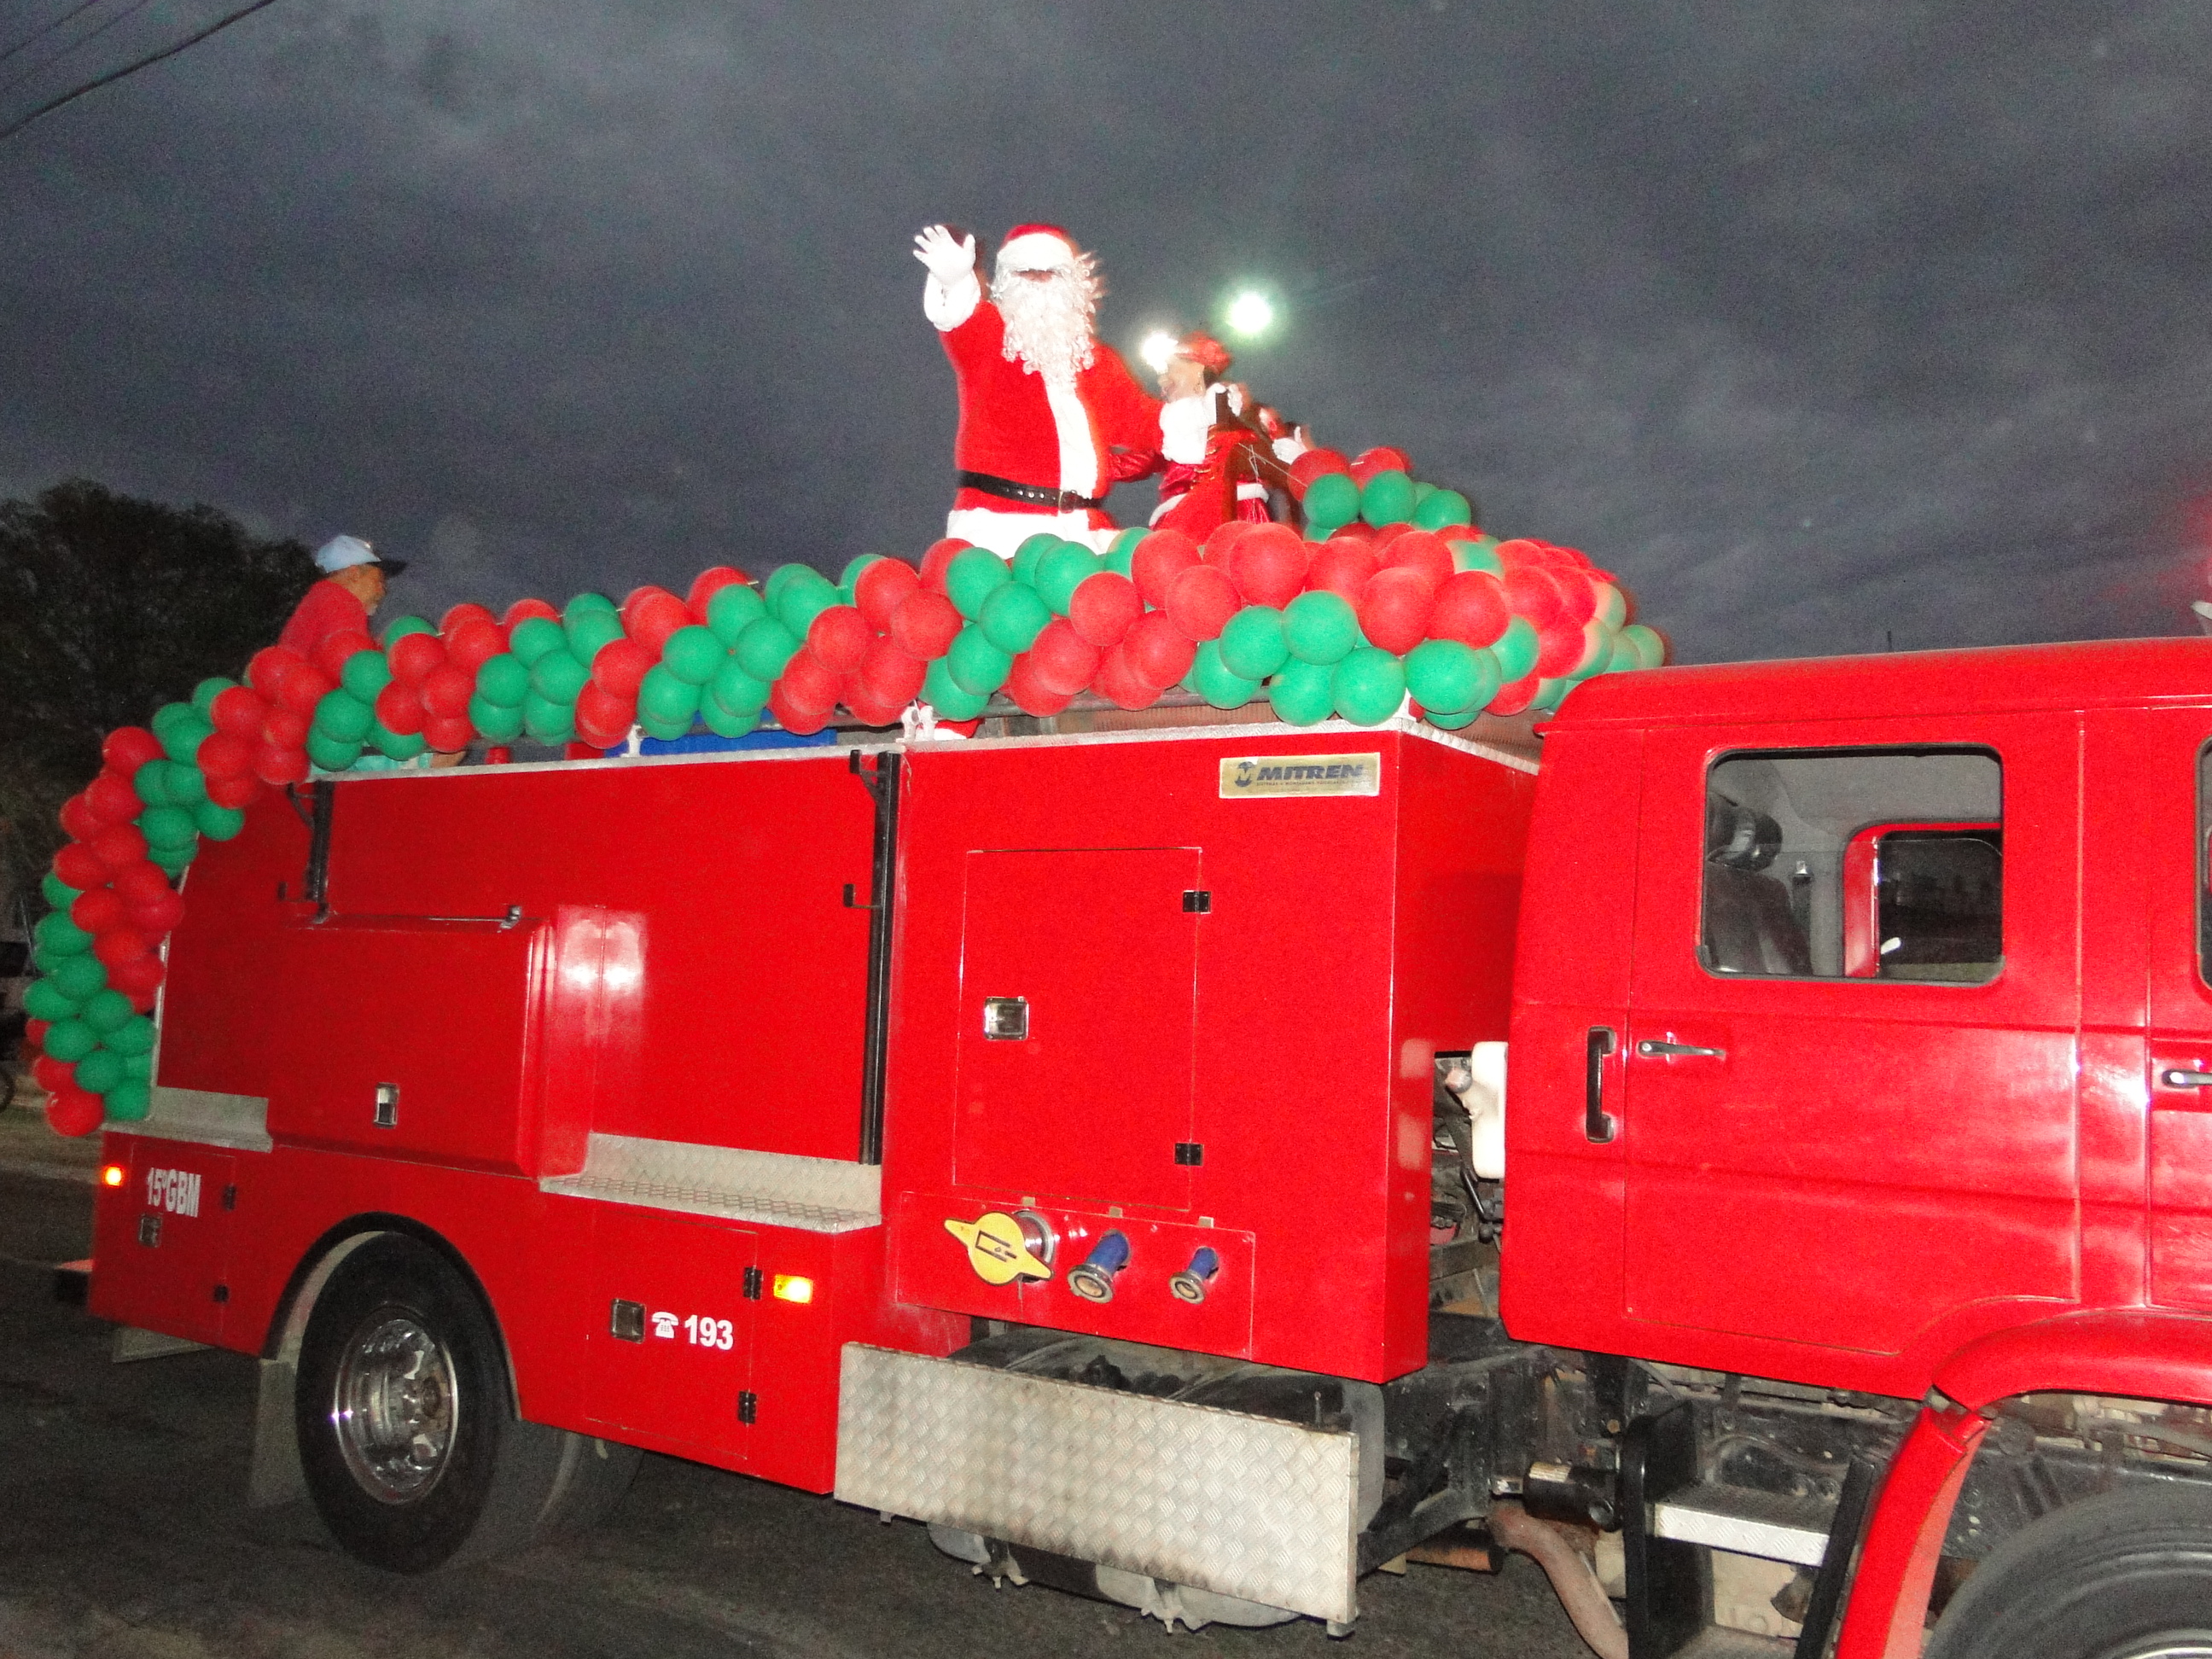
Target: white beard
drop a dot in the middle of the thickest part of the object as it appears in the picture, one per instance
(1049, 324)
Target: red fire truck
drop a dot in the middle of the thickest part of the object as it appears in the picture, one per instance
(1087, 1143)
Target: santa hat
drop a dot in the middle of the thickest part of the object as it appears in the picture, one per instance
(1037, 247)
(1202, 349)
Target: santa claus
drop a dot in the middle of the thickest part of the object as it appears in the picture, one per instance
(1045, 408)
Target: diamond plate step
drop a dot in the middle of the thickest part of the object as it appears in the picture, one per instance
(1762, 1523)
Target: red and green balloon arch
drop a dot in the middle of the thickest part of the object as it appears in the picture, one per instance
(1392, 593)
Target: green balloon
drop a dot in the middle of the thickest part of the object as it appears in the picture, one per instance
(590, 631)
(1452, 722)
(168, 714)
(45, 962)
(1422, 491)
(140, 1066)
(780, 579)
(1122, 552)
(401, 627)
(365, 674)
(44, 1000)
(1320, 627)
(70, 1040)
(693, 654)
(1014, 616)
(667, 699)
(1252, 644)
(129, 1102)
(1550, 692)
(1612, 607)
(397, 745)
(533, 636)
(1516, 650)
(186, 787)
(1331, 501)
(1031, 553)
(1479, 554)
(951, 701)
(57, 933)
(854, 567)
(222, 823)
(1440, 508)
(167, 826)
(548, 722)
(59, 893)
(172, 859)
(503, 680)
(733, 693)
(1300, 694)
(558, 676)
(978, 666)
(802, 602)
(134, 1036)
(763, 648)
(667, 731)
(1448, 678)
(329, 754)
(1387, 497)
(495, 722)
(973, 574)
(107, 1010)
(1650, 650)
(205, 693)
(151, 781)
(1061, 571)
(343, 717)
(1211, 679)
(732, 610)
(181, 741)
(99, 1071)
(723, 723)
(584, 603)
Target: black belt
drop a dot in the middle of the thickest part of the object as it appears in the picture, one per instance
(1060, 501)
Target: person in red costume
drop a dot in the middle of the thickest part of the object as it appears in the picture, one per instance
(1216, 454)
(352, 587)
(1045, 406)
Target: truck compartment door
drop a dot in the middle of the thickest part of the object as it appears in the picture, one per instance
(669, 1352)
(161, 1239)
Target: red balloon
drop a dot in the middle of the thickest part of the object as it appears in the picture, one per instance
(879, 589)
(1577, 596)
(272, 666)
(1536, 594)
(97, 909)
(1157, 561)
(1559, 648)
(1513, 698)
(112, 800)
(467, 614)
(802, 722)
(521, 611)
(399, 707)
(412, 656)
(34, 1035)
(621, 667)
(808, 682)
(276, 766)
(73, 1111)
(1314, 464)
(1106, 602)
(1222, 540)
(934, 561)
(1268, 564)
(78, 865)
(130, 747)
(1341, 565)
(143, 883)
(1200, 601)
(1393, 609)
(119, 943)
(445, 691)
(1157, 652)
(118, 845)
(1354, 531)
(308, 685)
(1382, 458)
(157, 916)
(448, 734)
(888, 676)
(473, 643)
(1061, 659)
(287, 728)
(1470, 608)
(1519, 551)
(222, 756)
(925, 622)
(604, 712)
(1031, 694)
(1121, 685)
(651, 615)
(79, 822)
(240, 711)
(840, 636)
(53, 1075)
(868, 710)
(236, 793)
(330, 656)
(1420, 550)
(708, 583)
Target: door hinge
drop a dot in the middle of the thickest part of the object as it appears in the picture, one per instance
(748, 1405)
(149, 1229)
(1190, 1151)
(753, 1279)
(222, 1293)
(1197, 902)
(230, 1196)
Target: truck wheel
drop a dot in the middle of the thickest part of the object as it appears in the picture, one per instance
(2126, 1576)
(412, 1450)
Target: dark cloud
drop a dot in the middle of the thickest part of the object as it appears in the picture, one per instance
(1813, 322)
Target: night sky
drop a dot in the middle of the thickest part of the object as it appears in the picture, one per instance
(1811, 322)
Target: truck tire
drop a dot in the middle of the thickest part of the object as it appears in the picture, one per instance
(412, 1452)
(2126, 1576)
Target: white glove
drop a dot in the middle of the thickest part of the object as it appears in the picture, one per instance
(948, 260)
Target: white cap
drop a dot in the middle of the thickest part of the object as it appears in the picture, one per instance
(344, 552)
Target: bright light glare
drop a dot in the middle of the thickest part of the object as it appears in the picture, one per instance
(1251, 313)
(1159, 345)
(791, 1287)
(111, 1175)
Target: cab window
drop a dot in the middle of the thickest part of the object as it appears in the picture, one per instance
(1855, 863)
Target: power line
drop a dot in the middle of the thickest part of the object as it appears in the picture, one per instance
(84, 39)
(113, 76)
(44, 30)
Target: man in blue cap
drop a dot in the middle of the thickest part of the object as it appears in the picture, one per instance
(352, 587)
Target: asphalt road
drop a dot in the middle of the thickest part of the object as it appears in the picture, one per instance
(124, 1534)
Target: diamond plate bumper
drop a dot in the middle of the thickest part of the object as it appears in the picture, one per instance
(1247, 1506)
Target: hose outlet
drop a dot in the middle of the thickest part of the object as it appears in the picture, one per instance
(1093, 1280)
(1190, 1286)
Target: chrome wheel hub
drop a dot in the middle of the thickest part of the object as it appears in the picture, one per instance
(395, 1406)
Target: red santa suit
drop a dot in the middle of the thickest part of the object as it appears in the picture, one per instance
(1032, 456)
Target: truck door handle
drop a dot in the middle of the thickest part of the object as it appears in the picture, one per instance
(1650, 1046)
(1598, 1125)
(2179, 1078)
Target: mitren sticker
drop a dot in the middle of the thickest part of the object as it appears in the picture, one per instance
(1255, 776)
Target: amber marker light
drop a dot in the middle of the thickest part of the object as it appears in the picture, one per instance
(790, 1287)
(111, 1175)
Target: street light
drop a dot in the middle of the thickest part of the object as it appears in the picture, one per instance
(1251, 313)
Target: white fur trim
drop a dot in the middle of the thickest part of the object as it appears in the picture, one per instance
(948, 304)
(1005, 532)
(1038, 250)
(1079, 451)
(1184, 423)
